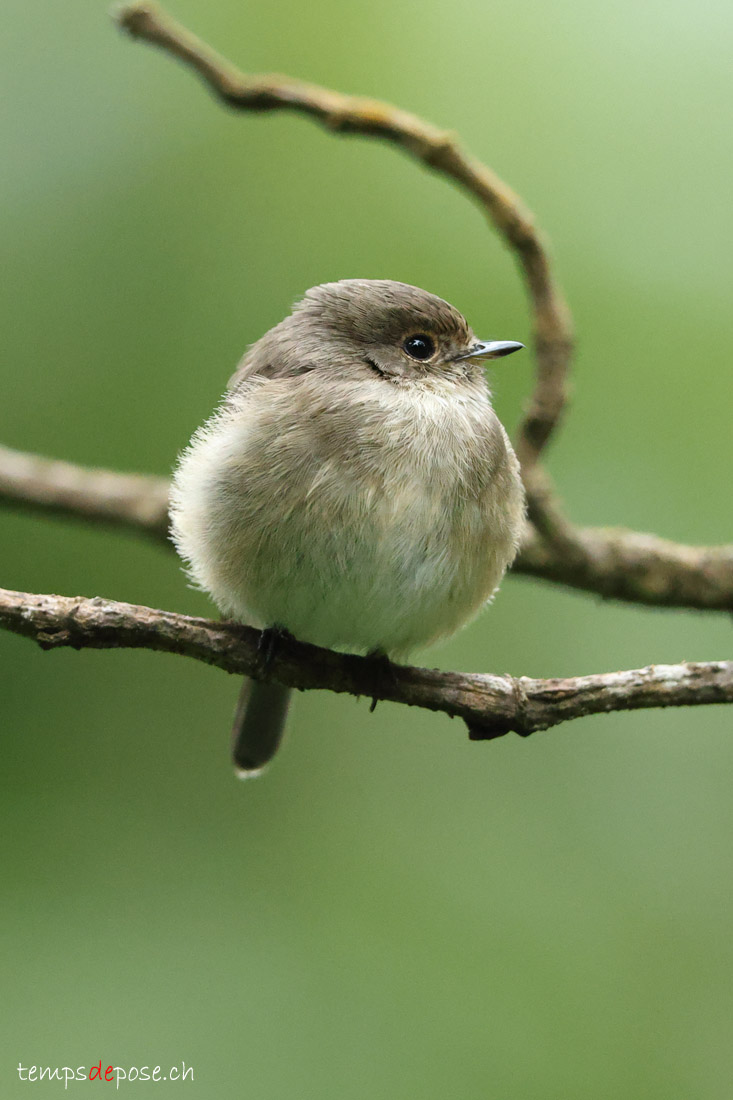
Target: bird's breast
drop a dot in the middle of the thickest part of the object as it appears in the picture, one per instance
(382, 517)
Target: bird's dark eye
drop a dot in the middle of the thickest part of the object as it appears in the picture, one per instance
(419, 346)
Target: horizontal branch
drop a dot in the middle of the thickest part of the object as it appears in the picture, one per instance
(490, 705)
(33, 483)
(634, 567)
(612, 562)
(438, 150)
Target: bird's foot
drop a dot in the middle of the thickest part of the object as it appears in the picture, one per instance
(270, 641)
(383, 673)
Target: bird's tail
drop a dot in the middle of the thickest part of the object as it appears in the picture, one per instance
(259, 722)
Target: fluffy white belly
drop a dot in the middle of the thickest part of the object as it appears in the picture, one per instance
(394, 544)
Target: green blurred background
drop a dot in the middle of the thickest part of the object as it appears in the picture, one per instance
(393, 911)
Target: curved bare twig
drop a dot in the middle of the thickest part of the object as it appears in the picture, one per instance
(614, 563)
(437, 149)
(490, 705)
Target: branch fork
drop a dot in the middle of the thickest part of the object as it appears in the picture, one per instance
(614, 563)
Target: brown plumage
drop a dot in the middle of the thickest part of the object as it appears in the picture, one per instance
(353, 488)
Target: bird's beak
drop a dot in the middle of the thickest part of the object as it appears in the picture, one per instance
(491, 349)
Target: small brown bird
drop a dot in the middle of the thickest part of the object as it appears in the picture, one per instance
(355, 488)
